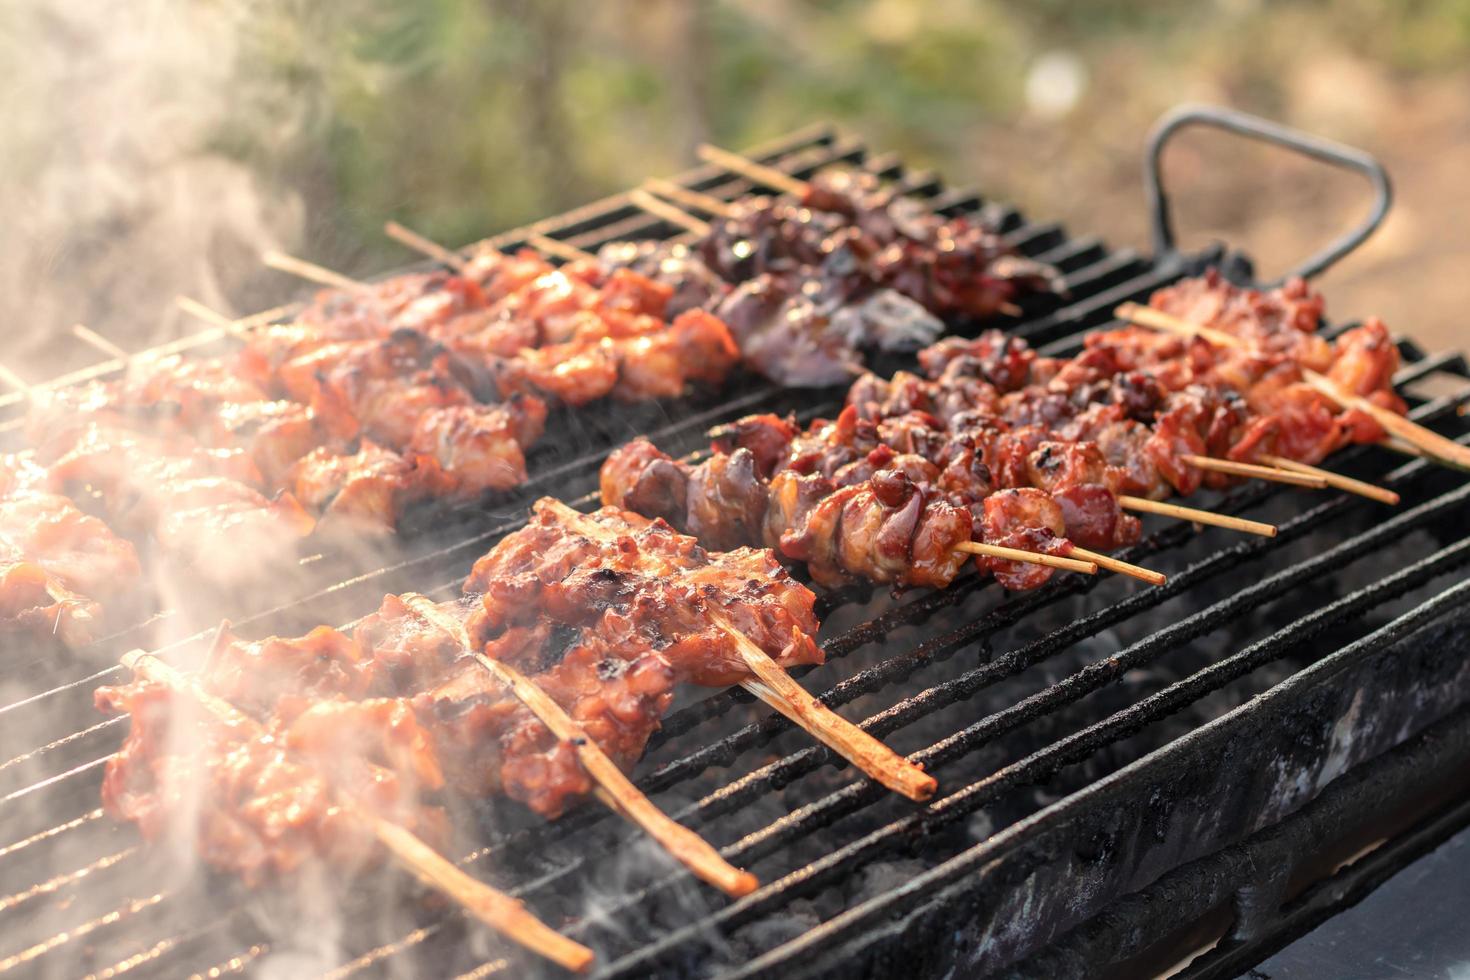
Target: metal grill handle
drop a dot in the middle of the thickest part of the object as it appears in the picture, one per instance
(1254, 127)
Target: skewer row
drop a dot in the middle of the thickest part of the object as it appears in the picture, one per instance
(773, 684)
(492, 907)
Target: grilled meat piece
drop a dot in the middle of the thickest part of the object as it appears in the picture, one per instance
(884, 529)
(620, 571)
(692, 284)
(1027, 519)
(262, 805)
(478, 448)
(365, 492)
(852, 228)
(616, 687)
(1281, 321)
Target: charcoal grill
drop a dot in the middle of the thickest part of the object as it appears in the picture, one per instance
(1131, 778)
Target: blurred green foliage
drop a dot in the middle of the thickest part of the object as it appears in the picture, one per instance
(462, 117)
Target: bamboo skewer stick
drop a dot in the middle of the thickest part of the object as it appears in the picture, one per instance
(194, 308)
(1233, 468)
(238, 327)
(1147, 316)
(614, 789)
(312, 272)
(17, 382)
(666, 211)
(688, 197)
(1336, 480)
(1121, 567)
(1197, 516)
(1397, 445)
(1411, 432)
(619, 794)
(429, 247)
(94, 339)
(560, 249)
(776, 688)
(497, 910)
(1030, 557)
(750, 169)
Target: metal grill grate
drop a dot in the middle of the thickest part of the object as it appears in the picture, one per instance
(1089, 736)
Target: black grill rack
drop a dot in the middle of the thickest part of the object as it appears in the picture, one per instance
(1100, 745)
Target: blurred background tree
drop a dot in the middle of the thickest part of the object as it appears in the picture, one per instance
(155, 148)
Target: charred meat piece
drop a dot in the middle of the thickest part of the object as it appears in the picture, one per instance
(629, 573)
(616, 687)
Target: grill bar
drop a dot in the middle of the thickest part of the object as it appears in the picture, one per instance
(1161, 704)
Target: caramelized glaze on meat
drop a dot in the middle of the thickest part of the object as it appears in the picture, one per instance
(621, 573)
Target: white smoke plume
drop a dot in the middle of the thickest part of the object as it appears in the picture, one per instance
(116, 196)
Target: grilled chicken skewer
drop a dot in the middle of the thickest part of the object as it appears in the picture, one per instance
(614, 789)
(587, 617)
(495, 909)
(424, 432)
(767, 679)
(58, 565)
(1417, 435)
(992, 416)
(1087, 566)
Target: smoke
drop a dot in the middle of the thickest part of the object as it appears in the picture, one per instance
(117, 194)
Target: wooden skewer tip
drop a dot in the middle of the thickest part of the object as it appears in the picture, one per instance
(312, 272)
(752, 170)
(1336, 480)
(94, 339)
(419, 243)
(17, 382)
(669, 213)
(1194, 514)
(1029, 557)
(778, 690)
(1121, 567)
(1253, 470)
(560, 249)
(688, 196)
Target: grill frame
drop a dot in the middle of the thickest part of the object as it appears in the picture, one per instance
(939, 905)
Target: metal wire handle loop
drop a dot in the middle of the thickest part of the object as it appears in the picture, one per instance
(1254, 127)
